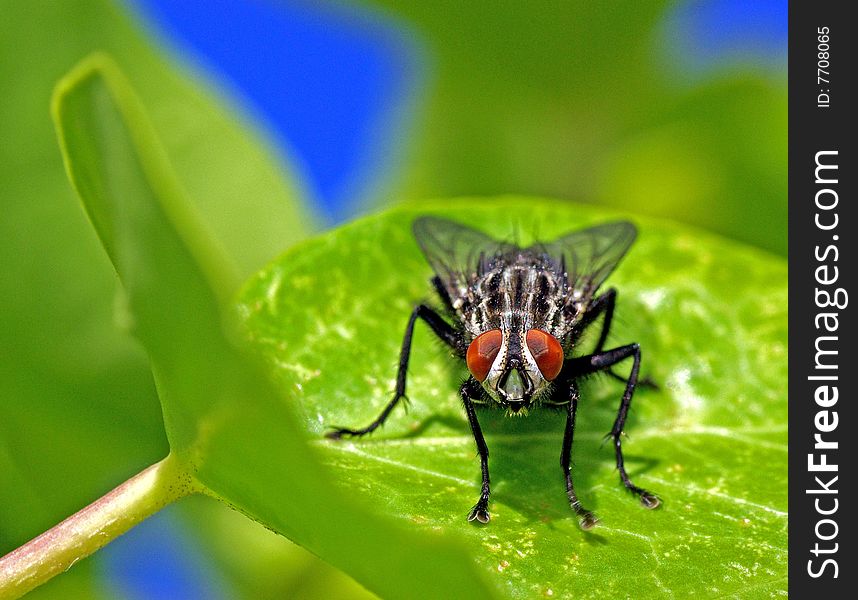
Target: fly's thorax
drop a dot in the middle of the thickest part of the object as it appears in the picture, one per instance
(540, 295)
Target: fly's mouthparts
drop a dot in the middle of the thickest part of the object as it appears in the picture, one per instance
(516, 406)
(514, 387)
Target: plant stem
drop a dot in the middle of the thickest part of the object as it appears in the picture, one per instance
(92, 527)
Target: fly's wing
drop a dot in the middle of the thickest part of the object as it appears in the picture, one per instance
(457, 254)
(588, 256)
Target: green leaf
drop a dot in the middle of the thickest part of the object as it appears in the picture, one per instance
(225, 423)
(78, 409)
(711, 318)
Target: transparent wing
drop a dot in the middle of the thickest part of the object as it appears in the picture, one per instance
(588, 256)
(457, 253)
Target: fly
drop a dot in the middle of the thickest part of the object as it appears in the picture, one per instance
(515, 316)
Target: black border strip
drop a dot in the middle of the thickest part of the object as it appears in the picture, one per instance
(822, 233)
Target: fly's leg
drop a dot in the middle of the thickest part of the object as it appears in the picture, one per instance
(601, 362)
(471, 390)
(587, 519)
(605, 304)
(442, 329)
(442, 293)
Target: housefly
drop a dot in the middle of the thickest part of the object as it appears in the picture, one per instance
(516, 317)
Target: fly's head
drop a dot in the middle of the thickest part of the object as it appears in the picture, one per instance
(515, 365)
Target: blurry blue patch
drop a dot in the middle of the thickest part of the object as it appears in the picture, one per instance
(157, 560)
(326, 82)
(713, 34)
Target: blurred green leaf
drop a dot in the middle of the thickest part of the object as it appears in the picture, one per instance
(582, 101)
(260, 563)
(711, 317)
(225, 423)
(714, 156)
(78, 410)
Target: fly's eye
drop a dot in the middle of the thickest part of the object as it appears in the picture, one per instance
(482, 353)
(546, 351)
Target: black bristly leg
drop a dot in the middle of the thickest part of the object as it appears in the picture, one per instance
(442, 293)
(600, 362)
(603, 304)
(445, 333)
(471, 390)
(606, 304)
(587, 518)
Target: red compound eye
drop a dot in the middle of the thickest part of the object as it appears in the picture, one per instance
(546, 351)
(482, 353)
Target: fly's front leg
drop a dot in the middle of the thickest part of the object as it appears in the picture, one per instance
(601, 362)
(442, 329)
(606, 304)
(603, 304)
(586, 518)
(471, 390)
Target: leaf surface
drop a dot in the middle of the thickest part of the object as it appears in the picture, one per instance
(711, 318)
